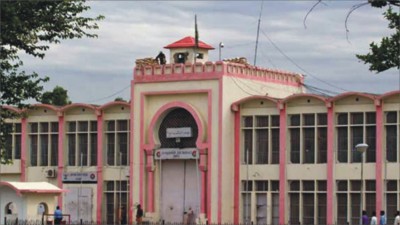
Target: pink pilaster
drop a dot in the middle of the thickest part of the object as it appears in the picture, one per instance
(24, 140)
(330, 165)
(60, 163)
(379, 158)
(282, 163)
(99, 168)
(236, 186)
(150, 181)
(220, 94)
(203, 184)
(131, 142)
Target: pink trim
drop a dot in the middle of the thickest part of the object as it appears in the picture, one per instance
(177, 104)
(235, 105)
(99, 168)
(347, 94)
(207, 181)
(11, 108)
(236, 179)
(24, 140)
(210, 70)
(220, 133)
(77, 105)
(330, 168)
(60, 155)
(199, 143)
(379, 158)
(282, 164)
(22, 191)
(389, 94)
(131, 152)
(141, 151)
(150, 199)
(304, 95)
(115, 103)
(47, 106)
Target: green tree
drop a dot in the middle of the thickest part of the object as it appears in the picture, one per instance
(386, 54)
(29, 27)
(58, 97)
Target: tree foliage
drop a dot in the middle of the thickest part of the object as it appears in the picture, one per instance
(386, 54)
(58, 97)
(29, 27)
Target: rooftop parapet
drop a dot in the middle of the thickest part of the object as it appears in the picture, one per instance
(214, 70)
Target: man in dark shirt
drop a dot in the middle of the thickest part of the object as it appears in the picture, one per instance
(139, 214)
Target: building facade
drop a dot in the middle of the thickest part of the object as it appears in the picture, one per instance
(233, 143)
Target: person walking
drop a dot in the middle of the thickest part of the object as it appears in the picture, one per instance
(365, 219)
(57, 216)
(382, 219)
(139, 214)
(397, 218)
(374, 220)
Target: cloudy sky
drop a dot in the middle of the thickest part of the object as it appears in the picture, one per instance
(98, 70)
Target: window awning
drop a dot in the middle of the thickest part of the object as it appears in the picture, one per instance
(33, 187)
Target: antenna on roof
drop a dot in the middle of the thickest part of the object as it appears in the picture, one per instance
(258, 33)
(196, 38)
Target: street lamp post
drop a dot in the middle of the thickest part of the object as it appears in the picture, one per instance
(221, 45)
(361, 148)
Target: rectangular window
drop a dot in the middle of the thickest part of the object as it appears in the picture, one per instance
(13, 141)
(392, 127)
(295, 145)
(342, 143)
(260, 139)
(82, 143)
(43, 142)
(391, 200)
(361, 129)
(308, 145)
(342, 208)
(307, 202)
(308, 138)
(116, 197)
(117, 139)
(262, 146)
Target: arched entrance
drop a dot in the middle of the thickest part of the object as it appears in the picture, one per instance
(177, 159)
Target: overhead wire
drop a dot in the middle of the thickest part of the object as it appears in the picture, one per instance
(297, 65)
(109, 96)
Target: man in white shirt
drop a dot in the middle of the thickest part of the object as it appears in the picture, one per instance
(397, 219)
(374, 220)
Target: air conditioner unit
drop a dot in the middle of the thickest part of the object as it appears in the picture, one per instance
(51, 173)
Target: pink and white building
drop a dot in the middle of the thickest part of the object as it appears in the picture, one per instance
(195, 135)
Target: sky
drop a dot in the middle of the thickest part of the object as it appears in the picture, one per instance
(97, 71)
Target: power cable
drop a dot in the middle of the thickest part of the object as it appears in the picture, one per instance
(109, 96)
(297, 65)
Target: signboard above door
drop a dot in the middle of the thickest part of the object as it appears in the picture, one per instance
(179, 132)
(176, 153)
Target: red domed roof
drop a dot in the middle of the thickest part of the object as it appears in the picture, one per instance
(188, 42)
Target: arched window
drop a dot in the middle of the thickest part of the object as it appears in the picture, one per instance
(178, 118)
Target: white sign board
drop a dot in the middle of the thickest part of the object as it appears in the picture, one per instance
(179, 132)
(84, 177)
(176, 153)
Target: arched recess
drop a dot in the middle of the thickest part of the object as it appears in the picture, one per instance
(153, 138)
(10, 209)
(43, 208)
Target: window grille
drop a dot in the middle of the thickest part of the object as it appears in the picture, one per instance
(177, 118)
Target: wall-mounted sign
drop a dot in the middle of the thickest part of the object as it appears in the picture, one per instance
(176, 153)
(80, 177)
(179, 132)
